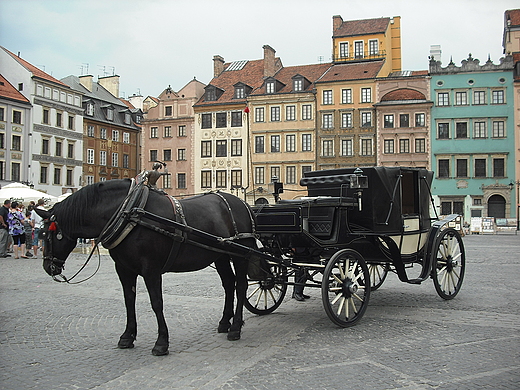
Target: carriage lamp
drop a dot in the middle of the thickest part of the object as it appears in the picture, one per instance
(276, 188)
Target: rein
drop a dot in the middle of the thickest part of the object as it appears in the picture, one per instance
(63, 279)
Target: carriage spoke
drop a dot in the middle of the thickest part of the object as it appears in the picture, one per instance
(351, 301)
(336, 298)
(341, 273)
(337, 279)
(254, 292)
(341, 303)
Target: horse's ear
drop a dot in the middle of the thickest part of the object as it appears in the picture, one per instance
(43, 213)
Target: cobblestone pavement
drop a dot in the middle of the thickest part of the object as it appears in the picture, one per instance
(59, 336)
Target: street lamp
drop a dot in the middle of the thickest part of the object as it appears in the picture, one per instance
(511, 186)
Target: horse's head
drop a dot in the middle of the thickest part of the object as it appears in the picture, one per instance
(57, 245)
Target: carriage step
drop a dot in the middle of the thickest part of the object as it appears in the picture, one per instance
(415, 281)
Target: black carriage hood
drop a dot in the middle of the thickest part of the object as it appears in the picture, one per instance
(392, 192)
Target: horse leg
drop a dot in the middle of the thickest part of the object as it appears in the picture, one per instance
(128, 281)
(227, 278)
(154, 287)
(240, 265)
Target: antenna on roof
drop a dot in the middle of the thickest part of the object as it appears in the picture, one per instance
(320, 59)
(84, 68)
(42, 67)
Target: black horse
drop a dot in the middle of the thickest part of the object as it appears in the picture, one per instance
(149, 251)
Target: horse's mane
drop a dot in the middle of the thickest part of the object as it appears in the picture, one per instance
(72, 211)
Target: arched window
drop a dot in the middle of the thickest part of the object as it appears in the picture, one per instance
(497, 206)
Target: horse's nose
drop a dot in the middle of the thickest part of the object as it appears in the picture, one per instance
(49, 267)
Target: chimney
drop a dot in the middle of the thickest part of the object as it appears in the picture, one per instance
(269, 61)
(110, 83)
(218, 65)
(337, 21)
(435, 52)
(86, 81)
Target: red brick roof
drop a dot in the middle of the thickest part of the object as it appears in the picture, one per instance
(403, 94)
(352, 71)
(514, 16)
(9, 92)
(361, 27)
(35, 71)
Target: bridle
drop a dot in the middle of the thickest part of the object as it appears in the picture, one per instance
(51, 228)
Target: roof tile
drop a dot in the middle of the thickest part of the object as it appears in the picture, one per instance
(361, 27)
(9, 92)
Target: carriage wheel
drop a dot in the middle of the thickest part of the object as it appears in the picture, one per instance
(377, 274)
(449, 264)
(264, 296)
(345, 287)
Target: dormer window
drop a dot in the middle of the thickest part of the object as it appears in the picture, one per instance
(110, 114)
(212, 93)
(128, 118)
(90, 109)
(270, 87)
(239, 92)
(298, 85)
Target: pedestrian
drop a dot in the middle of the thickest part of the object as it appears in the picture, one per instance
(16, 230)
(37, 223)
(4, 228)
(27, 225)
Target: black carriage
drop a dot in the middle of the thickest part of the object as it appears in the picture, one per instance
(355, 226)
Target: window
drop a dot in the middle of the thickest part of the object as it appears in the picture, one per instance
(498, 129)
(306, 112)
(443, 99)
(346, 148)
(240, 92)
(346, 96)
(443, 131)
(205, 179)
(327, 148)
(154, 132)
(17, 117)
(358, 49)
(90, 156)
(404, 146)
(498, 97)
(388, 121)
(480, 167)
(236, 178)
(327, 121)
(210, 94)
(462, 167)
(343, 49)
(181, 131)
(70, 150)
(346, 119)
(45, 117)
(290, 143)
(479, 130)
(290, 113)
(498, 167)
(167, 132)
(444, 168)
(259, 114)
(221, 119)
(298, 85)
(306, 142)
(259, 144)
(373, 47)
(221, 148)
(167, 181)
(2, 114)
(452, 207)
(181, 180)
(404, 120)
(128, 118)
(479, 97)
(269, 87)
(420, 145)
(103, 133)
(236, 147)
(205, 149)
(275, 114)
(45, 146)
(290, 174)
(327, 97)
(388, 147)
(59, 119)
(153, 155)
(126, 160)
(259, 175)
(275, 144)
(115, 159)
(2, 141)
(90, 109)
(58, 148)
(57, 175)
(15, 171)
(90, 131)
(43, 174)
(236, 119)
(366, 147)
(461, 130)
(103, 157)
(366, 119)
(181, 154)
(306, 168)
(110, 114)
(420, 120)
(461, 98)
(90, 179)
(168, 111)
(115, 135)
(206, 121)
(366, 95)
(69, 180)
(17, 143)
(126, 138)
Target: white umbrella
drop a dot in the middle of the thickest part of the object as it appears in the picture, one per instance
(63, 196)
(22, 193)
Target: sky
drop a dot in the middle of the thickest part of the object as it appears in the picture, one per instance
(153, 44)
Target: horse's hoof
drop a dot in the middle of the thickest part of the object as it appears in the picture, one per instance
(223, 328)
(233, 335)
(125, 343)
(160, 351)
